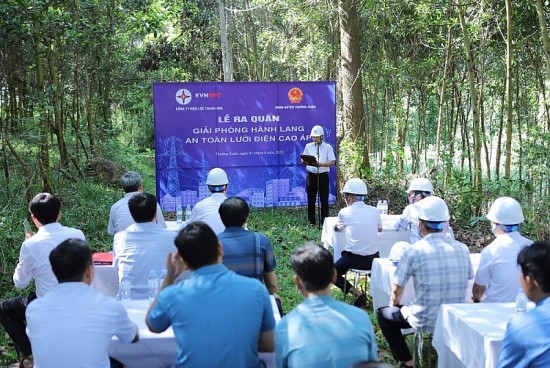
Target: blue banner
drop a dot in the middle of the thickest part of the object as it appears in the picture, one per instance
(255, 131)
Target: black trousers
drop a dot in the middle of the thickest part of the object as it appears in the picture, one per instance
(391, 322)
(312, 189)
(12, 317)
(351, 260)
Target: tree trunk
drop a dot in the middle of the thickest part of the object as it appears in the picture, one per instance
(226, 49)
(544, 34)
(352, 82)
(473, 101)
(58, 124)
(442, 95)
(509, 112)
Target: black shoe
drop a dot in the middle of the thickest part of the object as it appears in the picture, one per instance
(361, 301)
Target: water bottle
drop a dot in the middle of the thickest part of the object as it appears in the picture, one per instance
(187, 212)
(379, 206)
(162, 276)
(178, 215)
(153, 285)
(521, 301)
(384, 207)
(125, 289)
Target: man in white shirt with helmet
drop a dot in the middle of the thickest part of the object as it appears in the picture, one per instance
(207, 209)
(361, 224)
(419, 189)
(317, 179)
(498, 275)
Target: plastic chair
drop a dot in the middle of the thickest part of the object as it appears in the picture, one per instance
(358, 274)
(418, 343)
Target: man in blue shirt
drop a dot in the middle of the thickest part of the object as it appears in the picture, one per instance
(321, 331)
(527, 339)
(245, 252)
(220, 319)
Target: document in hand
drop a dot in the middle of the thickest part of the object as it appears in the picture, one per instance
(309, 159)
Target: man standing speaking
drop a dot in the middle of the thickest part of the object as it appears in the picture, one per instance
(317, 173)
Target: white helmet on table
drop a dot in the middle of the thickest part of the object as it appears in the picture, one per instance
(216, 177)
(317, 131)
(506, 211)
(433, 209)
(355, 186)
(420, 185)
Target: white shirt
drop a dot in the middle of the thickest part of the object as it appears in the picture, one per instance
(409, 221)
(73, 325)
(360, 223)
(120, 217)
(498, 269)
(34, 257)
(207, 212)
(139, 249)
(323, 153)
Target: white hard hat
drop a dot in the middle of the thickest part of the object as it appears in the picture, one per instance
(355, 186)
(506, 211)
(217, 176)
(421, 185)
(317, 131)
(433, 209)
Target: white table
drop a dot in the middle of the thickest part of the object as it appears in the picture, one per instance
(173, 226)
(386, 239)
(105, 280)
(470, 335)
(382, 281)
(159, 350)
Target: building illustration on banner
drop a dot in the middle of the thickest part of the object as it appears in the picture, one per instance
(274, 188)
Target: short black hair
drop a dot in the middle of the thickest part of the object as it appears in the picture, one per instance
(45, 207)
(143, 207)
(70, 259)
(130, 181)
(534, 261)
(197, 245)
(234, 211)
(313, 265)
(433, 226)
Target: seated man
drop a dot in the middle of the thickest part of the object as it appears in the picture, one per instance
(143, 246)
(527, 339)
(246, 252)
(207, 210)
(321, 331)
(219, 318)
(419, 189)
(73, 324)
(440, 268)
(119, 216)
(45, 210)
(498, 276)
(361, 224)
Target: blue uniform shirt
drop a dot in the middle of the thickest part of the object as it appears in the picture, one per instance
(323, 332)
(217, 317)
(527, 339)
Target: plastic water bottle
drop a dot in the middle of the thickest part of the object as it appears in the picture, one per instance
(521, 301)
(153, 285)
(187, 213)
(384, 207)
(178, 215)
(125, 290)
(379, 206)
(162, 276)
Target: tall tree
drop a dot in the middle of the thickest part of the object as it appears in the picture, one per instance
(352, 81)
